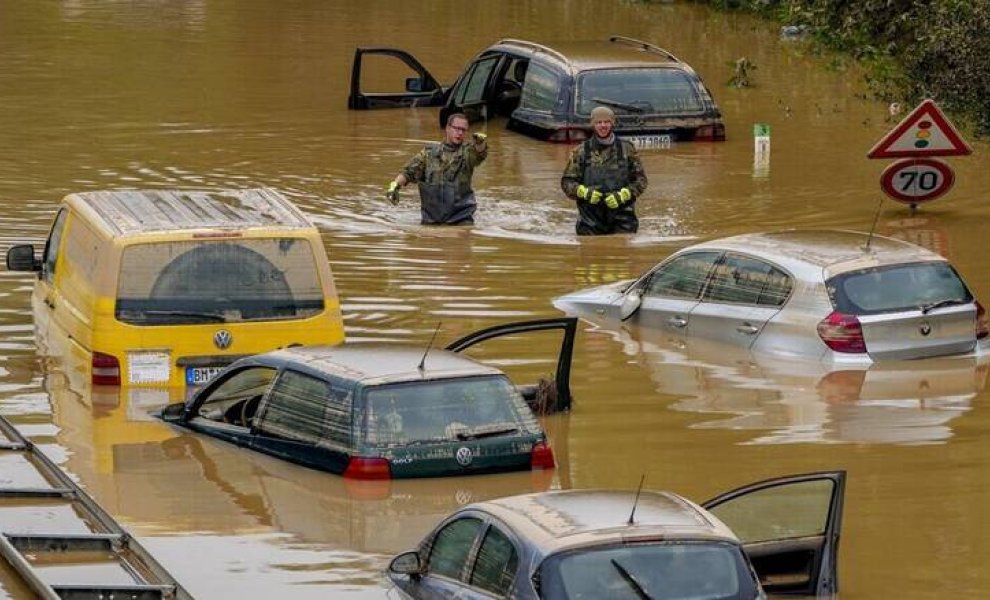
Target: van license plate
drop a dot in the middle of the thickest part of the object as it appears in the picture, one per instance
(650, 142)
(201, 375)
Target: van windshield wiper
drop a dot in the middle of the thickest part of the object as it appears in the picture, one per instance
(617, 104)
(487, 434)
(631, 580)
(927, 308)
(210, 317)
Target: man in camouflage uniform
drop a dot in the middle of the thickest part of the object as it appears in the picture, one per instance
(604, 176)
(443, 172)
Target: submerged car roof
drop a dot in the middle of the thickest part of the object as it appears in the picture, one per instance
(559, 520)
(151, 211)
(376, 363)
(594, 54)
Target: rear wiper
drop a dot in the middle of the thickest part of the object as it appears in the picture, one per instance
(617, 104)
(926, 308)
(631, 580)
(203, 316)
(486, 434)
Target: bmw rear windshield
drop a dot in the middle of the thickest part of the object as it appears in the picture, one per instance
(218, 281)
(644, 91)
(916, 286)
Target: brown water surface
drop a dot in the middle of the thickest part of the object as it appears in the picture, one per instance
(237, 93)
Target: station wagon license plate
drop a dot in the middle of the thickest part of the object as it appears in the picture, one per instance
(201, 375)
(650, 142)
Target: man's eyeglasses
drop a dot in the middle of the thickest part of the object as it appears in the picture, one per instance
(460, 129)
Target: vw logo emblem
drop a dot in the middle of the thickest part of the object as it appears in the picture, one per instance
(464, 456)
(222, 339)
(925, 329)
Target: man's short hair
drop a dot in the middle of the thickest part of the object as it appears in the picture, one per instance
(450, 119)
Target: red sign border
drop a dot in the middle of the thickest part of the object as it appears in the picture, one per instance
(926, 108)
(887, 179)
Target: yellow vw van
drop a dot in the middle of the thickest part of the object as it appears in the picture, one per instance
(165, 287)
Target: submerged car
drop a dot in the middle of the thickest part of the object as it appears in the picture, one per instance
(547, 92)
(836, 296)
(380, 411)
(777, 536)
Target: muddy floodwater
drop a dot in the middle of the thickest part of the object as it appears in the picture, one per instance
(243, 93)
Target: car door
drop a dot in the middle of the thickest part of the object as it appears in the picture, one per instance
(742, 295)
(421, 89)
(670, 293)
(789, 528)
(474, 93)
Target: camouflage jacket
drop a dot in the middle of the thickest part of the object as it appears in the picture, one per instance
(442, 163)
(595, 156)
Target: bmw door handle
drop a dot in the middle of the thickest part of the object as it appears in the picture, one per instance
(748, 329)
(677, 322)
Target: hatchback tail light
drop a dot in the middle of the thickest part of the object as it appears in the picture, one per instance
(710, 133)
(842, 333)
(982, 324)
(568, 134)
(542, 456)
(360, 467)
(106, 369)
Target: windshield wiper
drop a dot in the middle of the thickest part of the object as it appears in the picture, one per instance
(203, 316)
(617, 104)
(486, 434)
(631, 580)
(927, 308)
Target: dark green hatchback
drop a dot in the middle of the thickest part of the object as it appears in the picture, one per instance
(378, 411)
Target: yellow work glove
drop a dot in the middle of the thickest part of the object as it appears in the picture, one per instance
(592, 195)
(625, 195)
(612, 200)
(479, 138)
(392, 193)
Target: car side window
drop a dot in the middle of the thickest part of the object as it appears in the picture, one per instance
(682, 277)
(295, 408)
(540, 89)
(52, 246)
(789, 511)
(338, 414)
(745, 280)
(472, 90)
(235, 399)
(495, 567)
(452, 546)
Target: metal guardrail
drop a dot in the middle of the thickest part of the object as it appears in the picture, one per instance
(40, 559)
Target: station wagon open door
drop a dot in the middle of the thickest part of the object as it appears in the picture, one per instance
(420, 90)
(789, 527)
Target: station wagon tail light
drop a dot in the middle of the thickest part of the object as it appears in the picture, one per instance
(568, 134)
(710, 133)
(842, 333)
(982, 325)
(542, 456)
(360, 467)
(106, 369)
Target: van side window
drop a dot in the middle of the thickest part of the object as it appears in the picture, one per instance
(52, 246)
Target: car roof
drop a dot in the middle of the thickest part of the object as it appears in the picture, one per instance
(378, 363)
(153, 211)
(560, 520)
(581, 55)
(835, 251)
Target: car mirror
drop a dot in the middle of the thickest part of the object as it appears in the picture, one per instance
(406, 563)
(630, 304)
(21, 258)
(414, 84)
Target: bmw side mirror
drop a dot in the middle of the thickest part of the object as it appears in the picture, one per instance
(406, 563)
(630, 304)
(21, 258)
(414, 84)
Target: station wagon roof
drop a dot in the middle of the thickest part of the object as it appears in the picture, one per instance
(375, 363)
(558, 520)
(589, 54)
(151, 211)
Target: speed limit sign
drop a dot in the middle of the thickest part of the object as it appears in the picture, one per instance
(917, 180)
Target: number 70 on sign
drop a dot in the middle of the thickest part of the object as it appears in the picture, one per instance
(917, 180)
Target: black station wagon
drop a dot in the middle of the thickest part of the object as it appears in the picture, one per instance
(548, 92)
(379, 411)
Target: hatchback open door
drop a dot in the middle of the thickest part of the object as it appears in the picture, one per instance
(789, 528)
(421, 89)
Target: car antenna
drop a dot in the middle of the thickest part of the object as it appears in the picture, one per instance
(873, 228)
(422, 361)
(636, 501)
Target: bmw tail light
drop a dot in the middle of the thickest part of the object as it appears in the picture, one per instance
(542, 456)
(106, 369)
(568, 134)
(982, 325)
(360, 467)
(710, 133)
(842, 333)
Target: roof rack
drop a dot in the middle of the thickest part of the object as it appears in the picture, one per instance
(534, 47)
(645, 46)
(31, 554)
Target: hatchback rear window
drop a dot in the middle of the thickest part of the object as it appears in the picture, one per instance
(657, 91)
(897, 288)
(185, 282)
(444, 411)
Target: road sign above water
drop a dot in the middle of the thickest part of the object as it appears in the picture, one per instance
(924, 132)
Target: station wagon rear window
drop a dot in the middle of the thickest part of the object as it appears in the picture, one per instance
(444, 411)
(222, 281)
(639, 91)
(898, 288)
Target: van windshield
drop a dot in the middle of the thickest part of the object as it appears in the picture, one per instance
(221, 281)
